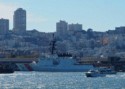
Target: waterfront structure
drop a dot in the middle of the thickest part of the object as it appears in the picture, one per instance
(19, 20)
(4, 26)
(75, 27)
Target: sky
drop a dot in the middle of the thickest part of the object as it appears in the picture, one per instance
(42, 15)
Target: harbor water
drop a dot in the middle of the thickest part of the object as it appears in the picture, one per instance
(60, 80)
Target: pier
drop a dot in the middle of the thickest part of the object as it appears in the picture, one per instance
(116, 62)
(18, 60)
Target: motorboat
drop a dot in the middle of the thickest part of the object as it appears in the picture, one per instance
(100, 72)
(94, 73)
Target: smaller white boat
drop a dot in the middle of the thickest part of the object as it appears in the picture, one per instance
(94, 73)
(100, 72)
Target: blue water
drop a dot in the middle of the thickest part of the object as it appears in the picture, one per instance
(60, 80)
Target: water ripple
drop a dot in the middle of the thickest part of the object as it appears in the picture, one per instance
(60, 80)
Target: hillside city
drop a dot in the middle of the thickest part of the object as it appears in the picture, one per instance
(70, 38)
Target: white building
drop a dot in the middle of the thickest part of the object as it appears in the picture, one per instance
(75, 27)
(4, 26)
(19, 20)
(61, 28)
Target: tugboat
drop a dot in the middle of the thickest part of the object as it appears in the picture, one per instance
(100, 72)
